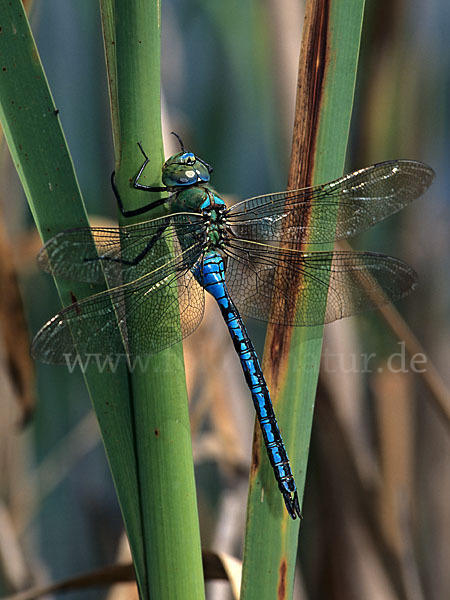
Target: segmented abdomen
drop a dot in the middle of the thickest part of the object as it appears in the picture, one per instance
(212, 277)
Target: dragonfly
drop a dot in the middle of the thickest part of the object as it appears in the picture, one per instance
(246, 256)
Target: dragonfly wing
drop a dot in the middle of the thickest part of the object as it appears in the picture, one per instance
(341, 208)
(163, 306)
(264, 282)
(120, 255)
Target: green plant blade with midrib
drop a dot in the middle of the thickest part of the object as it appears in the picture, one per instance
(158, 393)
(38, 147)
(268, 570)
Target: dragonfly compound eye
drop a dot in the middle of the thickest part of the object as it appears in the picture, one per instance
(184, 169)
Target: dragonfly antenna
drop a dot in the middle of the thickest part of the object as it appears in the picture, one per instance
(179, 139)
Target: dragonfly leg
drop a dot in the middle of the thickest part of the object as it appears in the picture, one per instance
(137, 259)
(142, 209)
(139, 186)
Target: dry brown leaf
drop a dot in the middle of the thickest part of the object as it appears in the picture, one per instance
(14, 333)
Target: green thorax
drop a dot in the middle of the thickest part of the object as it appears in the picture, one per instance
(202, 199)
(194, 199)
(188, 199)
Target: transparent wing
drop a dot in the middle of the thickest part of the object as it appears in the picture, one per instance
(357, 201)
(164, 307)
(119, 254)
(263, 282)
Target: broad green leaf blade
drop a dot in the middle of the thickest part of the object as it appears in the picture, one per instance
(39, 151)
(158, 392)
(327, 74)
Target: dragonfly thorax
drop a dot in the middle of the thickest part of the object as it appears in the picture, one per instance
(185, 169)
(213, 211)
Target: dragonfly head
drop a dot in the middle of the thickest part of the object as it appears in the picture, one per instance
(185, 168)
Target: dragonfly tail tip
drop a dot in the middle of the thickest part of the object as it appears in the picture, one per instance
(293, 505)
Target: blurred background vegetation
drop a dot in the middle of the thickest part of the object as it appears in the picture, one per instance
(376, 511)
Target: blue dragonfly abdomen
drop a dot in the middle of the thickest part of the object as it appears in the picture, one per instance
(210, 273)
